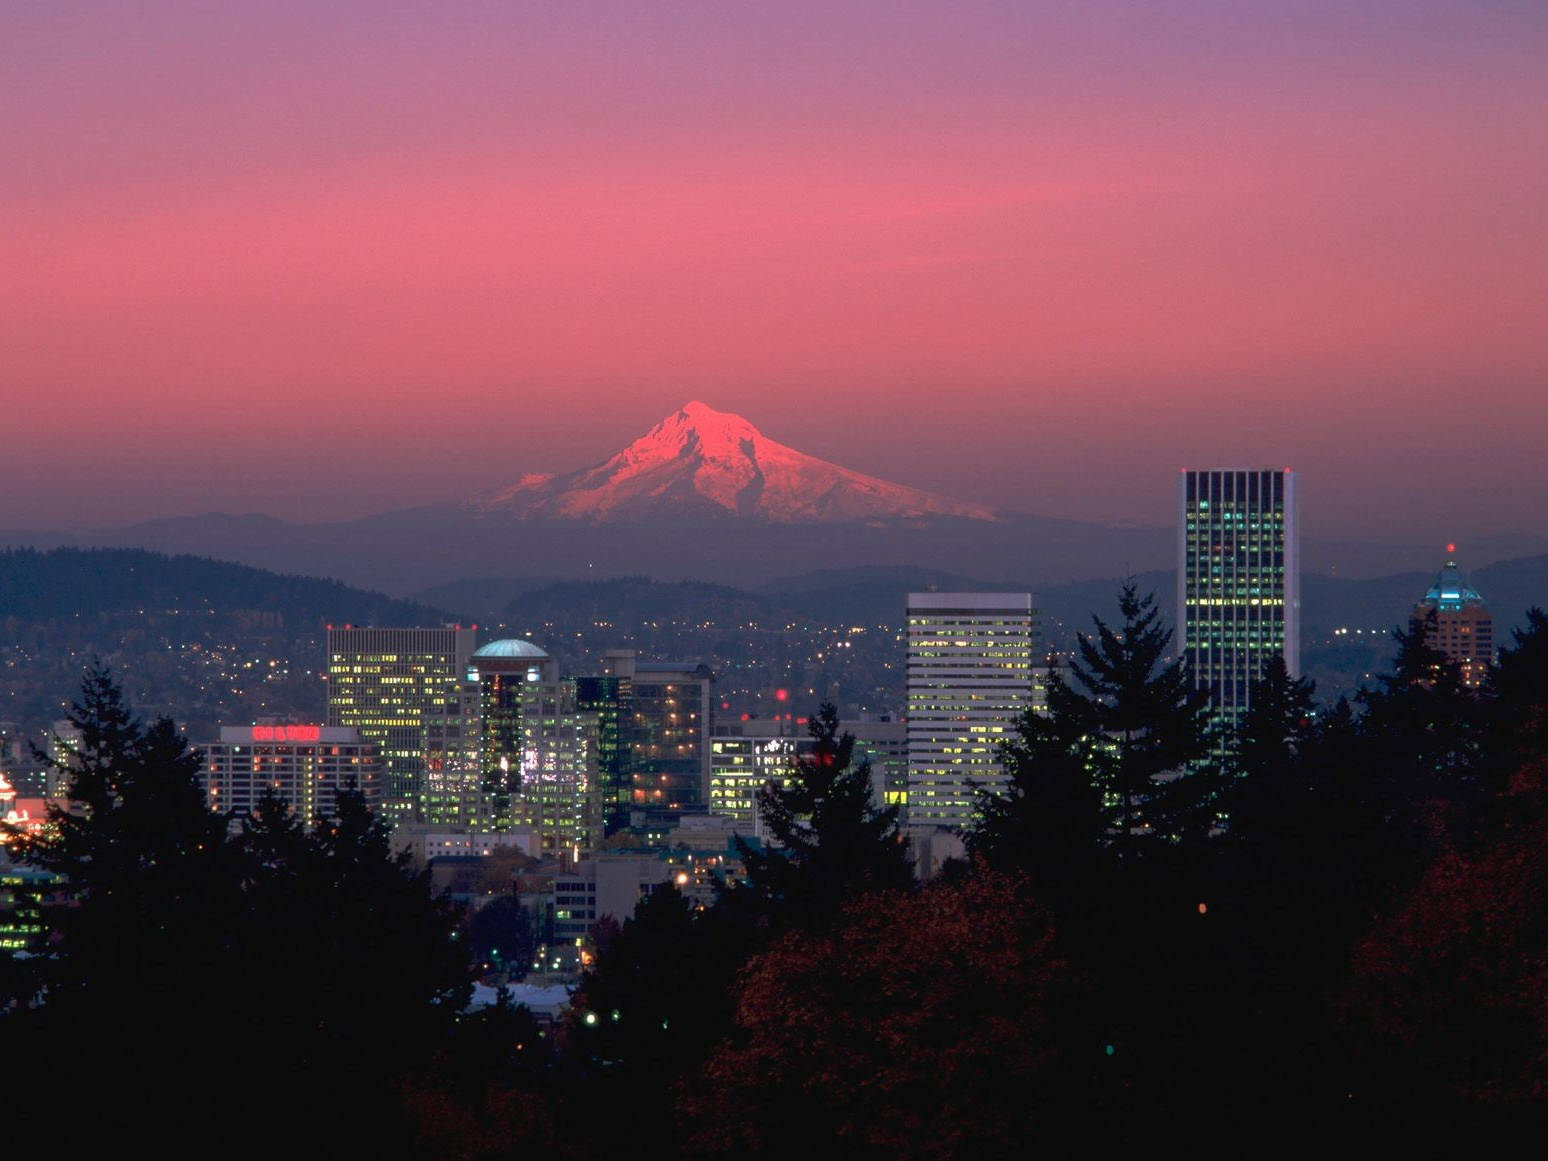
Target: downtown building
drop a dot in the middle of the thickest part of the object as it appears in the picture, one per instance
(747, 755)
(975, 666)
(654, 720)
(1238, 582)
(303, 765)
(537, 750)
(1456, 622)
(384, 683)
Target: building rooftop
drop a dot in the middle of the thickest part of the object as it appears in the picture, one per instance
(511, 647)
(1450, 592)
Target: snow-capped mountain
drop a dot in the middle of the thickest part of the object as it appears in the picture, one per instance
(699, 461)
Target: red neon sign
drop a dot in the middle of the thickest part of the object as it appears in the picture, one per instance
(287, 733)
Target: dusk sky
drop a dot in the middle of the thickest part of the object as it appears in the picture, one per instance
(326, 260)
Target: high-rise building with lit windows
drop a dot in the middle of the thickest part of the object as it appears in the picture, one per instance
(974, 667)
(304, 765)
(1456, 622)
(382, 682)
(655, 729)
(1238, 583)
(537, 750)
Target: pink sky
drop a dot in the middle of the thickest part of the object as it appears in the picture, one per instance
(321, 261)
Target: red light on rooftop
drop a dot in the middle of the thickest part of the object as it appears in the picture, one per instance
(286, 733)
(1450, 548)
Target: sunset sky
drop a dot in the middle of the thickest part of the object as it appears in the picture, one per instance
(321, 260)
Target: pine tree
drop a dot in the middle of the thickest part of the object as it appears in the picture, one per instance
(140, 929)
(1047, 819)
(1517, 698)
(1427, 726)
(1149, 721)
(314, 961)
(1271, 739)
(1113, 753)
(831, 842)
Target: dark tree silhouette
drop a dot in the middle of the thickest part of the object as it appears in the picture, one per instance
(1271, 739)
(1048, 820)
(499, 936)
(831, 842)
(1114, 754)
(919, 1026)
(1149, 720)
(177, 954)
(136, 942)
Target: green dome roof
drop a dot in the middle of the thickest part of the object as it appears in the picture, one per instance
(511, 647)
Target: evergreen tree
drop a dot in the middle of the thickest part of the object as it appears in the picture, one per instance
(1097, 763)
(831, 842)
(1277, 722)
(138, 935)
(1517, 696)
(1426, 732)
(1047, 820)
(1270, 742)
(344, 931)
(644, 1018)
(310, 963)
(1149, 721)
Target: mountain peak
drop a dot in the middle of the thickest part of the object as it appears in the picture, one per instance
(700, 461)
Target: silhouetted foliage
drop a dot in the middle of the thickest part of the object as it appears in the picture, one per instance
(1450, 997)
(1517, 693)
(499, 936)
(831, 842)
(179, 956)
(1114, 754)
(921, 1025)
(658, 999)
(131, 963)
(1048, 820)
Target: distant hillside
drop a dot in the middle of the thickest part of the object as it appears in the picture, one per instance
(635, 600)
(66, 581)
(199, 640)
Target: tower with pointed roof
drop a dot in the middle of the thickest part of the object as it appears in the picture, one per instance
(1455, 621)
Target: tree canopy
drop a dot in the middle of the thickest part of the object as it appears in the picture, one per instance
(179, 948)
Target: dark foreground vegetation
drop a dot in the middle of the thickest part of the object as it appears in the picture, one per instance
(1341, 933)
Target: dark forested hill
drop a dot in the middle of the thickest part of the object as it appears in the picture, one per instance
(200, 640)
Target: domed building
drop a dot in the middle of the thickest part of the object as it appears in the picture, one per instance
(537, 751)
(1456, 622)
(510, 652)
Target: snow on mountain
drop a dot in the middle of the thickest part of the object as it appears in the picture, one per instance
(699, 461)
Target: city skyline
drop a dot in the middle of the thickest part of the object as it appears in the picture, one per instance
(261, 252)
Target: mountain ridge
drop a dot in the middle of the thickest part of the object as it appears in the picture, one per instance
(700, 461)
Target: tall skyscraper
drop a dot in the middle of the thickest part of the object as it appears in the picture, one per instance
(1238, 581)
(537, 751)
(1455, 621)
(973, 664)
(382, 682)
